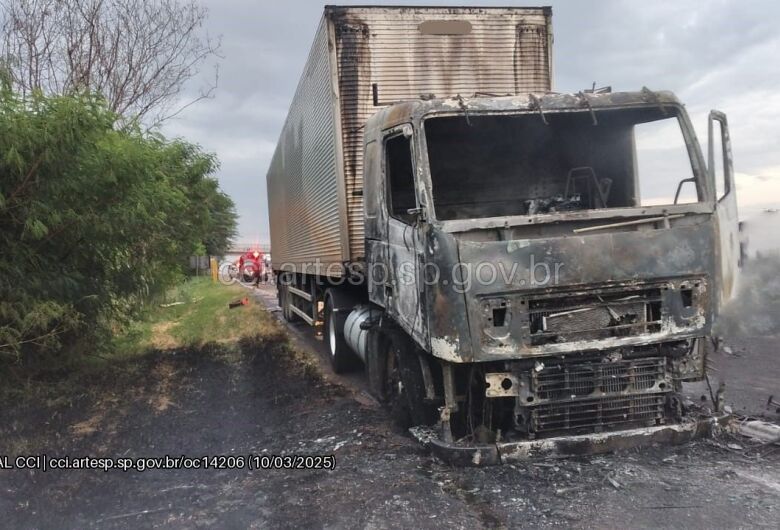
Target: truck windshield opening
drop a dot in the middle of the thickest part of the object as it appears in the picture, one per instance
(504, 165)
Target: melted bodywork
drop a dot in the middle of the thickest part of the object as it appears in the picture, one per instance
(625, 311)
(681, 251)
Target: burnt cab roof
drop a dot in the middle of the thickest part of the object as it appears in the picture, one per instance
(404, 111)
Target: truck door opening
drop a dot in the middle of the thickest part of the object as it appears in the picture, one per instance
(505, 165)
(400, 178)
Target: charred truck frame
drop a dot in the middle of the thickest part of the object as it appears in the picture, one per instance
(526, 272)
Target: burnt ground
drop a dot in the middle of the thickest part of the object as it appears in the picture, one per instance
(253, 399)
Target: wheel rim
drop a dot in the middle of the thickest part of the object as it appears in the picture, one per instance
(395, 390)
(394, 385)
(332, 334)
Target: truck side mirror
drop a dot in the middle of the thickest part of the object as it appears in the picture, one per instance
(719, 164)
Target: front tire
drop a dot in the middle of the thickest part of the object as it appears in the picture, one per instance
(395, 376)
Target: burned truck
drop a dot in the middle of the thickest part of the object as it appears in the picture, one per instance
(522, 271)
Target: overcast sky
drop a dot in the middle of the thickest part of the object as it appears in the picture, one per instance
(715, 54)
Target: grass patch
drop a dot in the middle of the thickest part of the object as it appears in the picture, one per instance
(200, 316)
(149, 366)
(200, 324)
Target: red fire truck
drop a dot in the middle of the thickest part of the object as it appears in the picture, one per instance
(251, 267)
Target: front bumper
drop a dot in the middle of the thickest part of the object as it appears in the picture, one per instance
(567, 446)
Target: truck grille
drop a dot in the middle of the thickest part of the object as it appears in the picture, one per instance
(594, 315)
(581, 380)
(593, 395)
(593, 414)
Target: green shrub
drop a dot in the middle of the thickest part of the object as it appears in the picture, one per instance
(94, 220)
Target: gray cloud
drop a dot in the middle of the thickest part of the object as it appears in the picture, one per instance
(713, 55)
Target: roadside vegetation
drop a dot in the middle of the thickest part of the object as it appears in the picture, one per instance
(170, 355)
(195, 318)
(194, 314)
(191, 319)
(97, 221)
(151, 368)
(99, 213)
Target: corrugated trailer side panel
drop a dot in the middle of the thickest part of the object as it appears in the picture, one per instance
(304, 200)
(315, 180)
(406, 52)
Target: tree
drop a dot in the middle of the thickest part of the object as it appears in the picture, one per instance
(137, 54)
(93, 219)
(221, 227)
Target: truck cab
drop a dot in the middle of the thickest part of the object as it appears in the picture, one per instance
(556, 261)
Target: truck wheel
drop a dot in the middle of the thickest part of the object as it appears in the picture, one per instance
(341, 357)
(395, 359)
(284, 303)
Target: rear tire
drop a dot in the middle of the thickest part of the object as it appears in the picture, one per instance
(285, 300)
(341, 357)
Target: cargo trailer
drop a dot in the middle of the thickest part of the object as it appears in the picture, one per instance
(518, 271)
(366, 58)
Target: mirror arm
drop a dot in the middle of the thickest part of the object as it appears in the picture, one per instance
(710, 150)
(679, 187)
(417, 213)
